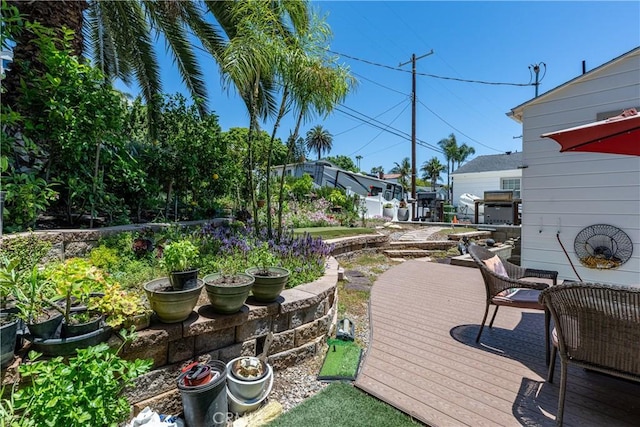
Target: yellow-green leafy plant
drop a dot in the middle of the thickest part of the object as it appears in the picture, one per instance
(75, 279)
(120, 306)
(181, 255)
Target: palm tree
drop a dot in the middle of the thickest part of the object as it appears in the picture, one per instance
(464, 151)
(251, 62)
(377, 170)
(404, 169)
(319, 139)
(120, 36)
(450, 149)
(432, 170)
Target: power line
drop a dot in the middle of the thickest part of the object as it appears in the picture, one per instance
(456, 129)
(377, 64)
(385, 127)
(380, 133)
(357, 126)
(379, 84)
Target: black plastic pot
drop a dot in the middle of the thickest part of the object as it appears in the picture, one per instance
(183, 280)
(206, 405)
(68, 346)
(74, 330)
(8, 333)
(47, 329)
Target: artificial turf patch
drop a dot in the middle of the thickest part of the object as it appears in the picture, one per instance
(341, 362)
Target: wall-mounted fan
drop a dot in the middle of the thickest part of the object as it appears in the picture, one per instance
(603, 246)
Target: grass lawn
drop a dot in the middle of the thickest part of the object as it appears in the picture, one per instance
(342, 405)
(333, 232)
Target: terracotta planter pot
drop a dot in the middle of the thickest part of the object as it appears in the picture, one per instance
(227, 298)
(267, 288)
(169, 305)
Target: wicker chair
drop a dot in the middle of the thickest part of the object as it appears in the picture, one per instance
(497, 287)
(597, 327)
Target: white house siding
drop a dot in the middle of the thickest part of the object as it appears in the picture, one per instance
(478, 182)
(566, 192)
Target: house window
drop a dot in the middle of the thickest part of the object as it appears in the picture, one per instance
(511, 184)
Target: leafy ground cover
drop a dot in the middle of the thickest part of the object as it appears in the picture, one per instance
(342, 405)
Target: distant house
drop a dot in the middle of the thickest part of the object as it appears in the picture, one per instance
(393, 177)
(488, 173)
(568, 192)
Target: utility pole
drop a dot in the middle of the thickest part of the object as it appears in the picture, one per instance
(413, 119)
(536, 70)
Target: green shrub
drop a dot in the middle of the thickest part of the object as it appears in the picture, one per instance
(85, 391)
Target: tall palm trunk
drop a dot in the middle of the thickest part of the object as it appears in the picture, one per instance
(276, 125)
(289, 153)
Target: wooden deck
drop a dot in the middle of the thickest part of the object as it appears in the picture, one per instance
(423, 358)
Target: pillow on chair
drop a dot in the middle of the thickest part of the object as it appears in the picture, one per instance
(495, 264)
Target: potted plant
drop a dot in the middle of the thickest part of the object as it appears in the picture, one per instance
(29, 300)
(270, 280)
(228, 289)
(403, 211)
(387, 210)
(8, 317)
(179, 259)
(121, 308)
(74, 281)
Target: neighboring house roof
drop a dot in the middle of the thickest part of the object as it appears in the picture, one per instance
(391, 176)
(516, 112)
(490, 163)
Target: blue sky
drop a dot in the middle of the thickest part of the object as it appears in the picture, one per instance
(484, 41)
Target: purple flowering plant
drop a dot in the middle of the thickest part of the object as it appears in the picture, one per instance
(303, 255)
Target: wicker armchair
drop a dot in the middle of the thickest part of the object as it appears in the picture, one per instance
(498, 287)
(597, 327)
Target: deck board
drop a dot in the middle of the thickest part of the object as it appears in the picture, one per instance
(423, 358)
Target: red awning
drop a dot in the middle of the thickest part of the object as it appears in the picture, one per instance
(615, 135)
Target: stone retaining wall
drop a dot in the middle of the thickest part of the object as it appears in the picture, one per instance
(300, 320)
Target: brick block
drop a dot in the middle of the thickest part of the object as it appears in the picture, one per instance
(209, 341)
(165, 403)
(181, 349)
(249, 348)
(295, 299)
(305, 333)
(282, 341)
(303, 316)
(292, 357)
(253, 329)
(153, 383)
(209, 321)
(259, 310)
(149, 344)
(280, 322)
(231, 352)
(324, 324)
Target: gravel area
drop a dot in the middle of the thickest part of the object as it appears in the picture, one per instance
(293, 385)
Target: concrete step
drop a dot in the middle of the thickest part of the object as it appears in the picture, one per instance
(423, 244)
(470, 235)
(408, 253)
